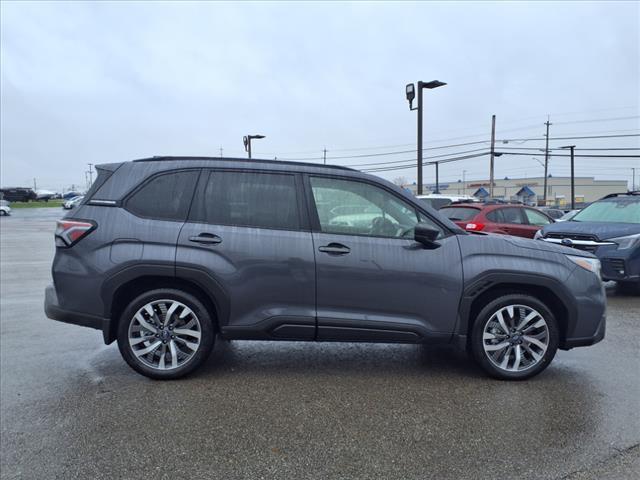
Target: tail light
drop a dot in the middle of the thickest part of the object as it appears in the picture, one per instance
(475, 227)
(70, 232)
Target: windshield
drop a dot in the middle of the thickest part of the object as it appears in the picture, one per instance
(459, 214)
(614, 210)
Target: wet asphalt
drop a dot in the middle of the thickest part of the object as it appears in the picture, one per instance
(71, 408)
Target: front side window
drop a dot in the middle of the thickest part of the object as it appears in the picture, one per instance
(248, 199)
(357, 208)
(536, 218)
(165, 196)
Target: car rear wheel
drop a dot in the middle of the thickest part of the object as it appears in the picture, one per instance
(514, 337)
(165, 334)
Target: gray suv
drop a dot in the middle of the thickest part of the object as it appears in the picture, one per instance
(166, 253)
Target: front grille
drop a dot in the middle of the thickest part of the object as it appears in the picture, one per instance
(586, 248)
(572, 236)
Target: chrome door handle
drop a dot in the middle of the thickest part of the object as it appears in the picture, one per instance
(206, 238)
(335, 249)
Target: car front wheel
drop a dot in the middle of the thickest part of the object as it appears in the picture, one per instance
(165, 334)
(514, 337)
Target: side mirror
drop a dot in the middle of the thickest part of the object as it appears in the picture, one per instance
(426, 235)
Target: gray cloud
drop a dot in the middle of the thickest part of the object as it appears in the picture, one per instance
(103, 82)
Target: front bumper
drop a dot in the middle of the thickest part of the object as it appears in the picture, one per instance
(598, 336)
(54, 311)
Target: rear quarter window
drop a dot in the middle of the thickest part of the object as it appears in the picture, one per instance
(165, 197)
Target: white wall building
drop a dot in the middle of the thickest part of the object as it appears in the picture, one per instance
(531, 190)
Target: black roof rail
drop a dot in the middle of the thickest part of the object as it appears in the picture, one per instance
(251, 160)
(630, 192)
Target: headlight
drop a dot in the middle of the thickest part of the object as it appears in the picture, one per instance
(629, 241)
(591, 264)
(538, 235)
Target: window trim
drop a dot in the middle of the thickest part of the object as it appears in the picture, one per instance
(315, 219)
(131, 193)
(303, 218)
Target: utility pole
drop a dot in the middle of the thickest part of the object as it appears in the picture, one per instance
(546, 162)
(573, 189)
(493, 151)
(464, 182)
(411, 93)
(437, 180)
(324, 156)
(90, 174)
(633, 182)
(34, 185)
(221, 151)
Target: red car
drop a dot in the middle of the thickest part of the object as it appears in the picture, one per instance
(517, 220)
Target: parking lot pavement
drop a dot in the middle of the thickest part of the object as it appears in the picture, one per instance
(71, 408)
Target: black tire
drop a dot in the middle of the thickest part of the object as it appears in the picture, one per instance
(483, 318)
(207, 332)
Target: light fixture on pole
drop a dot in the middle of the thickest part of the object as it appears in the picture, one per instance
(410, 92)
(247, 142)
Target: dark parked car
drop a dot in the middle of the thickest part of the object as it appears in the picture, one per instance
(608, 228)
(18, 194)
(517, 220)
(166, 253)
(554, 213)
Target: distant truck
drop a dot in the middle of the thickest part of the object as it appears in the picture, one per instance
(18, 194)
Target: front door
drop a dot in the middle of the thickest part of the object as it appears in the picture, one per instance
(247, 241)
(374, 282)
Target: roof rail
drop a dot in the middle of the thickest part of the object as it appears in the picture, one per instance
(630, 192)
(161, 158)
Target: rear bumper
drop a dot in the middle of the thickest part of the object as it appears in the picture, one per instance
(54, 311)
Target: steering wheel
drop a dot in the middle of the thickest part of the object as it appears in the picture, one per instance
(383, 226)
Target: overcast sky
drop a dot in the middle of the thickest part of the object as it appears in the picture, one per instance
(107, 82)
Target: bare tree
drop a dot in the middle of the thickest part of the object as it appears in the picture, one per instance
(400, 181)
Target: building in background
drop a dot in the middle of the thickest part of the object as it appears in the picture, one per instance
(531, 190)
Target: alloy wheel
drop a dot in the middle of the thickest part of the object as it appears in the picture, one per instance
(164, 334)
(515, 338)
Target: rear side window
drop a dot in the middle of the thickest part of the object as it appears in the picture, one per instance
(459, 214)
(506, 215)
(165, 197)
(248, 199)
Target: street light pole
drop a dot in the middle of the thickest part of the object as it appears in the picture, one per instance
(546, 162)
(411, 93)
(493, 151)
(247, 142)
(573, 182)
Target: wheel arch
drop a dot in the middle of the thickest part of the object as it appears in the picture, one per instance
(491, 286)
(132, 287)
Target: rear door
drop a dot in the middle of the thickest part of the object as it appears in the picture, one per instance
(247, 239)
(374, 282)
(509, 220)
